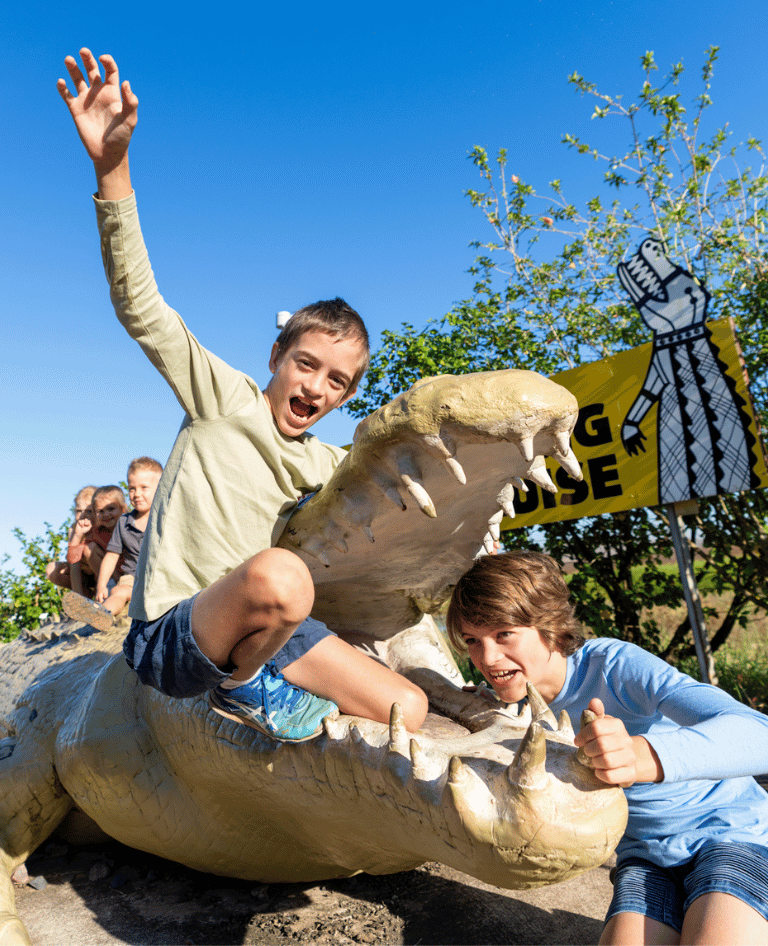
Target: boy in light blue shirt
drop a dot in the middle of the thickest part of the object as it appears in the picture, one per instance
(692, 866)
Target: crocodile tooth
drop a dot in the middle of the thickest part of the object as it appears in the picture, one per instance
(457, 771)
(509, 509)
(587, 717)
(565, 726)
(410, 475)
(419, 762)
(398, 734)
(357, 512)
(520, 484)
(334, 729)
(539, 709)
(526, 448)
(541, 477)
(388, 486)
(494, 524)
(571, 465)
(315, 547)
(446, 448)
(422, 497)
(529, 766)
(563, 442)
(473, 803)
(357, 737)
(506, 499)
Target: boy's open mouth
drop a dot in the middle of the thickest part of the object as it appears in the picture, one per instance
(502, 675)
(302, 409)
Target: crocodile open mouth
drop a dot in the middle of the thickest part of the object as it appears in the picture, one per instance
(645, 277)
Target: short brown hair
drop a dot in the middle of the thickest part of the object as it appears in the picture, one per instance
(144, 463)
(110, 490)
(334, 317)
(516, 589)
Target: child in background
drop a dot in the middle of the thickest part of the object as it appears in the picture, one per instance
(122, 552)
(68, 574)
(692, 866)
(107, 505)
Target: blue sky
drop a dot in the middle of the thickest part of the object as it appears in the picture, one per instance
(286, 153)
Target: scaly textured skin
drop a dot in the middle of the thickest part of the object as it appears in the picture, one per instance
(498, 796)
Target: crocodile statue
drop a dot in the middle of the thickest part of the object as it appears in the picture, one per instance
(497, 792)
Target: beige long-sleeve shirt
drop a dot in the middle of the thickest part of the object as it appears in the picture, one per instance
(232, 479)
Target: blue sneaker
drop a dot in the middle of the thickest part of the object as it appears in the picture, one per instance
(274, 706)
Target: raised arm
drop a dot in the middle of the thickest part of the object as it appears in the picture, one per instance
(105, 115)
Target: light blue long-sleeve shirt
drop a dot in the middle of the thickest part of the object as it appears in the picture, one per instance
(709, 746)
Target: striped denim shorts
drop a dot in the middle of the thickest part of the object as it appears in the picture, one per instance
(665, 893)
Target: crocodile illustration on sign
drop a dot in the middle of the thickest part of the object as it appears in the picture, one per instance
(705, 446)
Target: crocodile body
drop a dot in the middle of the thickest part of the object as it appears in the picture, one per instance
(497, 795)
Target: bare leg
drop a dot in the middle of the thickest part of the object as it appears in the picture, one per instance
(245, 617)
(358, 685)
(722, 918)
(118, 599)
(93, 555)
(58, 574)
(76, 577)
(634, 929)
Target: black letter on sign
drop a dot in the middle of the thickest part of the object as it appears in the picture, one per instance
(602, 471)
(527, 502)
(579, 491)
(599, 432)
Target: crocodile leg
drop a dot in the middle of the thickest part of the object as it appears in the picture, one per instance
(32, 803)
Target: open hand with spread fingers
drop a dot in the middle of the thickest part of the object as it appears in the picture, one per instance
(104, 111)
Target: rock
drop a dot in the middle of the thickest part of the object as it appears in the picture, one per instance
(99, 871)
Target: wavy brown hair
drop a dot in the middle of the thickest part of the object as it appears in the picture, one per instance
(516, 589)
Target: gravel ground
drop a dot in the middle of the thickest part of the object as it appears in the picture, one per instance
(109, 894)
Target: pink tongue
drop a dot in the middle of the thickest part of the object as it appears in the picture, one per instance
(300, 408)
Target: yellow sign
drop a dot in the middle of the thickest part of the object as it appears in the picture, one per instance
(661, 423)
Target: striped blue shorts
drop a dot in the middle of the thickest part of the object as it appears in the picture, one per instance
(665, 893)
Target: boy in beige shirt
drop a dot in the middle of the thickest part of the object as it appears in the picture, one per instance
(209, 614)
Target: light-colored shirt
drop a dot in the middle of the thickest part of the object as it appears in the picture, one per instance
(232, 479)
(709, 746)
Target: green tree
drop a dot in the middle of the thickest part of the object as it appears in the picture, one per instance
(546, 297)
(25, 597)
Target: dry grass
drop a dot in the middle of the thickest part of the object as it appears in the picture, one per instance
(741, 663)
(755, 634)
